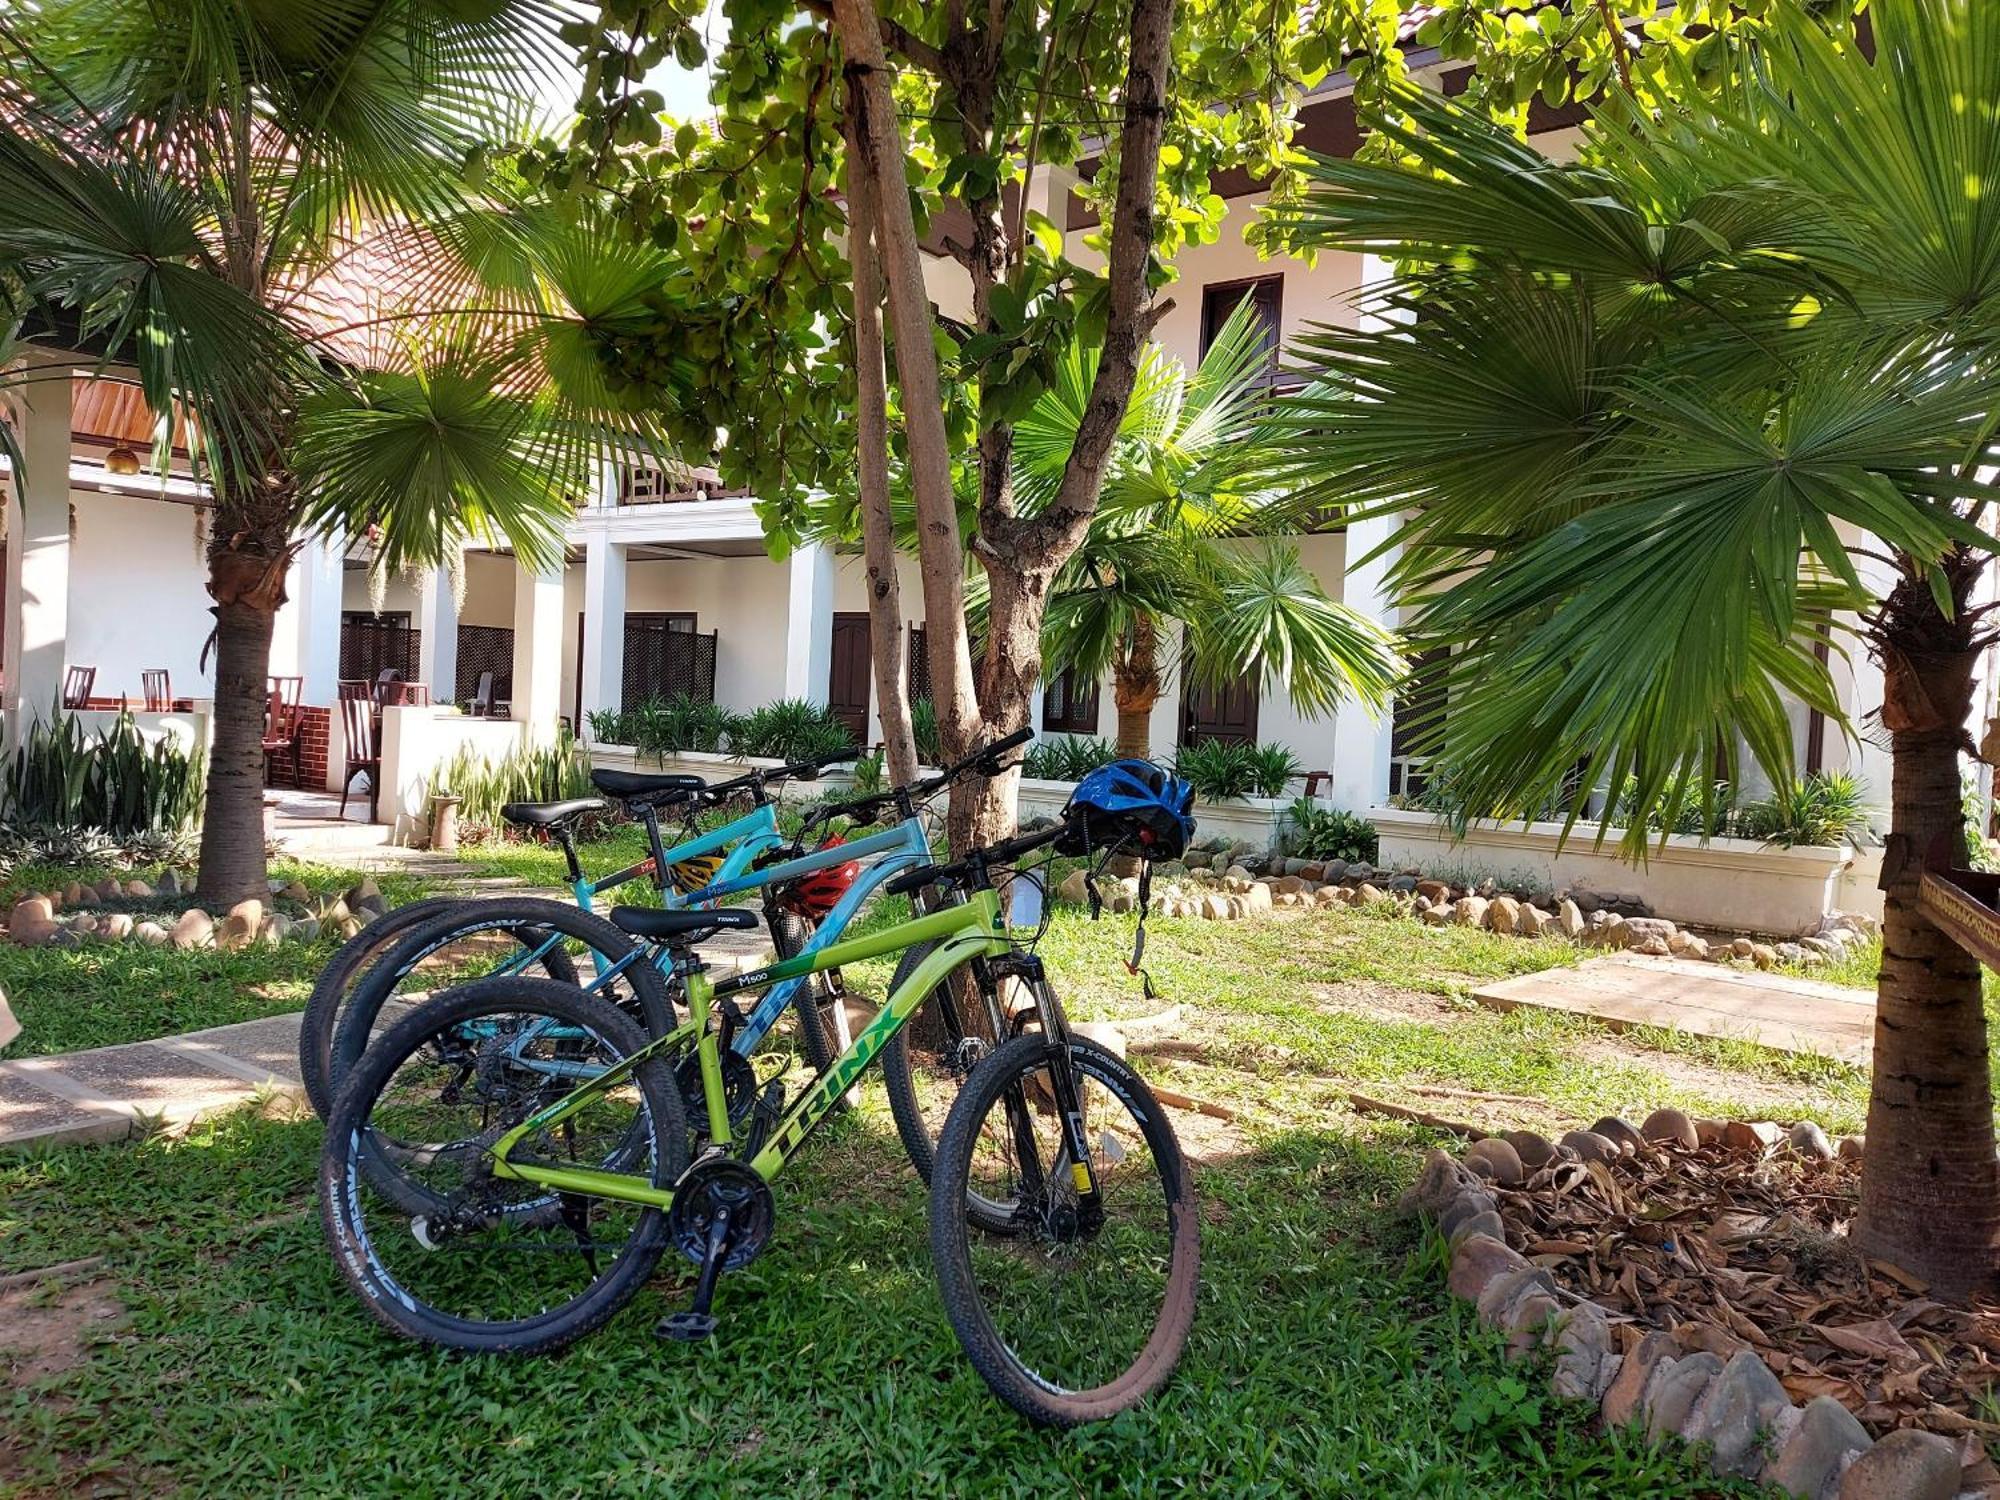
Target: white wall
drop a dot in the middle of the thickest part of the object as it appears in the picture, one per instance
(743, 599)
(137, 593)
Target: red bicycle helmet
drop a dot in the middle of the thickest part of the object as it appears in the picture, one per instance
(814, 895)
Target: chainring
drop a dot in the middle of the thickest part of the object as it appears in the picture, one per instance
(711, 1184)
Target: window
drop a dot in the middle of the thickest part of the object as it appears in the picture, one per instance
(371, 644)
(1220, 299)
(917, 675)
(1069, 704)
(1416, 721)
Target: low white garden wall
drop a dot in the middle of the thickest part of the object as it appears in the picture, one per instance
(1735, 884)
(416, 740)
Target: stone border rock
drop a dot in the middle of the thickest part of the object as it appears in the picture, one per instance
(1738, 1409)
(34, 921)
(1231, 889)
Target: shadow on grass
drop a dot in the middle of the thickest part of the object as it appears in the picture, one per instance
(1325, 1359)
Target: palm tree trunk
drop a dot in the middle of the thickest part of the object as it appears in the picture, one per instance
(1930, 1183)
(246, 579)
(1135, 689)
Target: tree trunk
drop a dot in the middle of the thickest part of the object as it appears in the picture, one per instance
(879, 142)
(871, 420)
(1930, 1184)
(232, 829)
(247, 558)
(1135, 688)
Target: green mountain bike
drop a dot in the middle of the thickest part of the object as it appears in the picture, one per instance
(554, 1155)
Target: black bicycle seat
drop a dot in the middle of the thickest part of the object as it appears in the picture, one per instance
(657, 924)
(548, 814)
(643, 784)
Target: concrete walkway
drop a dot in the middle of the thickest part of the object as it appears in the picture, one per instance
(108, 1093)
(1801, 1016)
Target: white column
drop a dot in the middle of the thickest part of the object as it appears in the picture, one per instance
(38, 548)
(437, 644)
(1361, 740)
(538, 611)
(809, 623)
(306, 640)
(603, 664)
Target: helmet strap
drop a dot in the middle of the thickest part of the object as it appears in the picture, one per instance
(1133, 964)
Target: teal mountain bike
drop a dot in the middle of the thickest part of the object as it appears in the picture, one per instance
(555, 1174)
(677, 874)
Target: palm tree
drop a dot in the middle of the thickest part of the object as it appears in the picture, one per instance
(1183, 536)
(1660, 423)
(206, 191)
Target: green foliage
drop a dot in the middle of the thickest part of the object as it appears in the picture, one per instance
(1704, 812)
(662, 726)
(790, 729)
(1824, 808)
(117, 781)
(549, 772)
(1220, 772)
(870, 773)
(1183, 533)
(1681, 371)
(924, 730)
(1067, 757)
(1507, 1411)
(1315, 832)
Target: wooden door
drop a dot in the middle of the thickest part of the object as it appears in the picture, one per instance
(852, 673)
(1227, 713)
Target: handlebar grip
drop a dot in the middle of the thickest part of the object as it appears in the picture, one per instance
(911, 880)
(1013, 741)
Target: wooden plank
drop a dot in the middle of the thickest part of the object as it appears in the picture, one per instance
(1789, 1015)
(1961, 915)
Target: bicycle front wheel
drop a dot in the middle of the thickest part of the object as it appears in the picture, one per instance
(1082, 1309)
(495, 1264)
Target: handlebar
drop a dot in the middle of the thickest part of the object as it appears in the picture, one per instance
(805, 769)
(985, 760)
(974, 865)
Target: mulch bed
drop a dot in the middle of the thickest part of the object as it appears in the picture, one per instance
(1734, 1250)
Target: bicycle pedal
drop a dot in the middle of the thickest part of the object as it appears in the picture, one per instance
(686, 1327)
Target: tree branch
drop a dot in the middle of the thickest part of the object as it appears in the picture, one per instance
(1129, 320)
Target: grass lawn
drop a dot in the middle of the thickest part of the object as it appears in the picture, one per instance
(105, 993)
(1325, 1360)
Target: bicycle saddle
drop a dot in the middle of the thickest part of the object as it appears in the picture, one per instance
(547, 814)
(656, 924)
(643, 784)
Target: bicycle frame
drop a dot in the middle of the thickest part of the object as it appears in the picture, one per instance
(974, 929)
(900, 848)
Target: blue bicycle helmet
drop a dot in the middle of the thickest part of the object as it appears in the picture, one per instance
(1131, 804)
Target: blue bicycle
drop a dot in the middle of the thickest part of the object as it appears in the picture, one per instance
(676, 875)
(638, 964)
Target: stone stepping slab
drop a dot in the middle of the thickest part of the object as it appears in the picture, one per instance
(1801, 1016)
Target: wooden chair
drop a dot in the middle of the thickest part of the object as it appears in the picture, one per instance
(77, 683)
(357, 721)
(355, 687)
(283, 722)
(158, 689)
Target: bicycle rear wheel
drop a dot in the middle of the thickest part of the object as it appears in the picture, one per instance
(330, 990)
(495, 1264)
(1084, 1308)
(474, 934)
